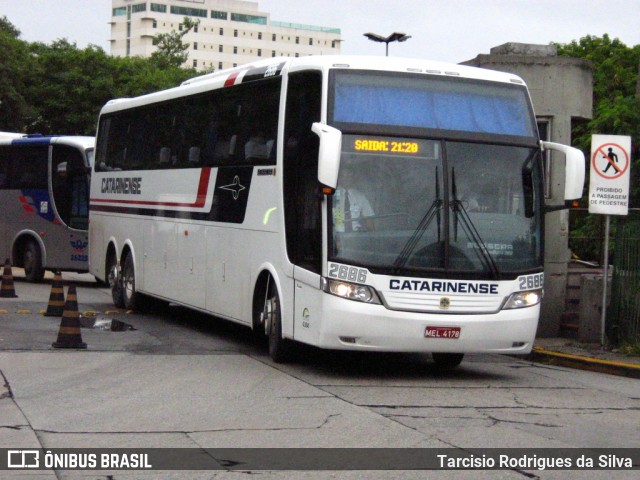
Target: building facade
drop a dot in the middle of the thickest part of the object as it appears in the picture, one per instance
(229, 33)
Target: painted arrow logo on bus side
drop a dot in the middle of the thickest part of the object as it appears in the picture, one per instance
(234, 187)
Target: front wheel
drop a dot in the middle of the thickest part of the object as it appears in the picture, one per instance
(447, 360)
(32, 262)
(270, 319)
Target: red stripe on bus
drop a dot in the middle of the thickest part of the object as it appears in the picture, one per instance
(201, 196)
(232, 79)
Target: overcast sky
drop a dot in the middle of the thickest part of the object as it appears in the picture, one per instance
(447, 30)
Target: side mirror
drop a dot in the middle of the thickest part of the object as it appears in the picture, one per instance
(329, 156)
(574, 169)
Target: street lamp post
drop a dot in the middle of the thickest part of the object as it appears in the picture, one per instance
(394, 37)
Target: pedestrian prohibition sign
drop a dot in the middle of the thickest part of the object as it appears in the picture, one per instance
(609, 179)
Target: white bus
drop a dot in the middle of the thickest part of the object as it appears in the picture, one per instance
(227, 195)
(44, 193)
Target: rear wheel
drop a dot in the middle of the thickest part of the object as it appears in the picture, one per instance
(32, 262)
(111, 270)
(117, 290)
(447, 360)
(128, 284)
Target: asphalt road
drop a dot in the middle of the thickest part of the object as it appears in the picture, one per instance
(179, 379)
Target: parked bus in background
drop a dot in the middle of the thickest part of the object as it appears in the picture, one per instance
(44, 193)
(230, 195)
(5, 135)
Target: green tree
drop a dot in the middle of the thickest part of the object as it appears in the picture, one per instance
(15, 64)
(134, 76)
(67, 87)
(172, 50)
(80, 81)
(59, 88)
(616, 104)
(616, 111)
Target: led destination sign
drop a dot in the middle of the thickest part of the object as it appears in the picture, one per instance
(385, 146)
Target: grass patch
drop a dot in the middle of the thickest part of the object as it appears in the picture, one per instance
(631, 349)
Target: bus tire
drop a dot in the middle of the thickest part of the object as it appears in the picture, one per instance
(279, 347)
(447, 361)
(32, 262)
(111, 270)
(128, 284)
(117, 292)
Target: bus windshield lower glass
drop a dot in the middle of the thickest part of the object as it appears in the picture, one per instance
(411, 206)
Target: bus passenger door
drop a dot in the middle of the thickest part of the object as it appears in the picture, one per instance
(302, 202)
(70, 194)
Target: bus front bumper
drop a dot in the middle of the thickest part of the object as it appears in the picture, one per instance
(353, 325)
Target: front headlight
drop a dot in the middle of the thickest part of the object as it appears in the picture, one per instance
(523, 299)
(350, 291)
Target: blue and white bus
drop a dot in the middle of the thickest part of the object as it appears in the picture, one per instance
(44, 193)
(230, 195)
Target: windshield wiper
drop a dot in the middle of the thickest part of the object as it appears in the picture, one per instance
(433, 212)
(459, 212)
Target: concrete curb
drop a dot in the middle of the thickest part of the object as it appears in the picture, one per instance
(585, 363)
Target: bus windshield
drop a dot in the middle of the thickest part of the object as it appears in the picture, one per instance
(438, 175)
(366, 102)
(408, 207)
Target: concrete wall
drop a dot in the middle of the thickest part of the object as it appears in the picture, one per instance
(561, 89)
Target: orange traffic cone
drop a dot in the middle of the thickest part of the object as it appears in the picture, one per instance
(55, 307)
(69, 335)
(7, 290)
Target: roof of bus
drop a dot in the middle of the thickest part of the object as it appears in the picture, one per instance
(72, 140)
(277, 65)
(363, 62)
(5, 135)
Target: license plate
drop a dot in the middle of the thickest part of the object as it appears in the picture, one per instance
(452, 333)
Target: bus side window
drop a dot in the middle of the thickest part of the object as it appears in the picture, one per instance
(257, 123)
(4, 167)
(112, 143)
(30, 165)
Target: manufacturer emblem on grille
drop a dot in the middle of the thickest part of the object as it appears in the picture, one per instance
(445, 302)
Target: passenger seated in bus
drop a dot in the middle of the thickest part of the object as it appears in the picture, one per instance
(257, 147)
(473, 202)
(211, 138)
(164, 157)
(232, 145)
(194, 156)
(470, 204)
